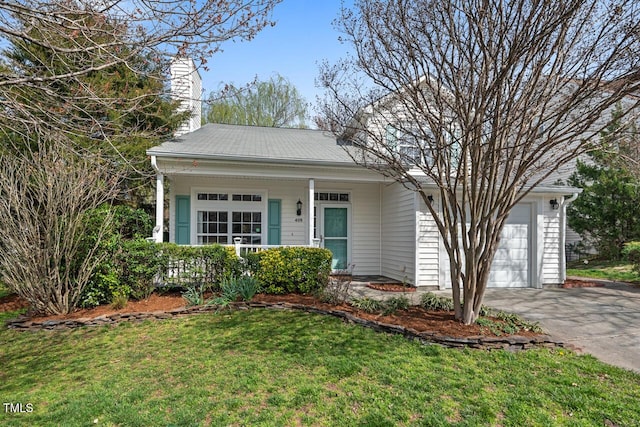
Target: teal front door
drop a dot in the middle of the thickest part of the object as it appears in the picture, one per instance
(183, 220)
(274, 217)
(335, 221)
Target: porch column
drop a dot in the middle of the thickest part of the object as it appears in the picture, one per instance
(312, 190)
(158, 230)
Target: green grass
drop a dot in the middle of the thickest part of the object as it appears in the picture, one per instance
(4, 291)
(604, 269)
(262, 367)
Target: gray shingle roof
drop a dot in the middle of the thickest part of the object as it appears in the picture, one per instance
(236, 142)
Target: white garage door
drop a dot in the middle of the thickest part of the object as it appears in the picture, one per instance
(510, 268)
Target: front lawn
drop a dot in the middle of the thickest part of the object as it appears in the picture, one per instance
(621, 271)
(264, 367)
(4, 291)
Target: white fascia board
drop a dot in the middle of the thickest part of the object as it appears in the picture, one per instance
(541, 189)
(185, 167)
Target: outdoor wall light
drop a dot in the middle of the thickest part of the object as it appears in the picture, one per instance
(299, 208)
(430, 198)
(554, 204)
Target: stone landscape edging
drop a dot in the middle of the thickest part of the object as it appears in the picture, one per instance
(511, 342)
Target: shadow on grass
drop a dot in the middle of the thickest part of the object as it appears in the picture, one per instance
(269, 367)
(293, 336)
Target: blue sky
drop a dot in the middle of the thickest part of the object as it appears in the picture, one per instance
(302, 37)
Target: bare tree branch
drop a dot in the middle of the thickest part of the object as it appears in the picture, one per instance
(82, 37)
(486, 99)
(47, 255)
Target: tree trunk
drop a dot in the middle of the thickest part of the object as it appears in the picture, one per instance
(473, 272)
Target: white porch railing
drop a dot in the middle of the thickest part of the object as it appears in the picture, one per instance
(181, 272)
(244, 248)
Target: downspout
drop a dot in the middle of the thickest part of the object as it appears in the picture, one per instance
(563, 235)
(380, 201)
(159, 228)
(417, 211)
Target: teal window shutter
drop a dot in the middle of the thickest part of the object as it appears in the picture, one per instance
(183, 220)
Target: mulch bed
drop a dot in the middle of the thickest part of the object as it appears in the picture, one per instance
(569, 283)
(391, 287)
(415, 318)
(12, 303)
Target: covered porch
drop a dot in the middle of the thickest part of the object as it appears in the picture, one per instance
(338, 210)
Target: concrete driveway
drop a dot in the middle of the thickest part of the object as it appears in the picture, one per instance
(601, 321)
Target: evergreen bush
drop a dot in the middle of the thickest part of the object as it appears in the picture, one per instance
(291, 269)
(631, 252)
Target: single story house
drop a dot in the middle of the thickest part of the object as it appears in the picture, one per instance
(276, 186)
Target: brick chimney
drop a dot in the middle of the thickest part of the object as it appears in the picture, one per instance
(186, 86)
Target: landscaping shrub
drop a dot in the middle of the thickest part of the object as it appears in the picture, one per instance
(394, 304)
(208, 264)
(291, 269)
(244, 288)
(337, 289)
(508, 323)
(139, 264)
(103, 287)
(199, 269)
(387, 307)
(132, 223)
(4, 290)
(251, 261)
(113, 277)
(104, 284)
(46, 196)
(130, 271)
(517, 323)
(631, 252)
(194, 295)
(431, 301)
(119, 301)
(231, 289)
(367, 305)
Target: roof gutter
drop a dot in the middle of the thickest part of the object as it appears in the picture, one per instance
(154, 163)
(244, 159)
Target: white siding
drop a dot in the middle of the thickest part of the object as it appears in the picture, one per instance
(428, 246)
(551, 244)
(398, 233)
(365, 221)
(383, 221)
(293, 231)
(364, 209)
(366, 228)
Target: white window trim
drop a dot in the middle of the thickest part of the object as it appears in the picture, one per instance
(229, 206)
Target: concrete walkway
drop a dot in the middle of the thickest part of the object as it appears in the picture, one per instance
(601, 321)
